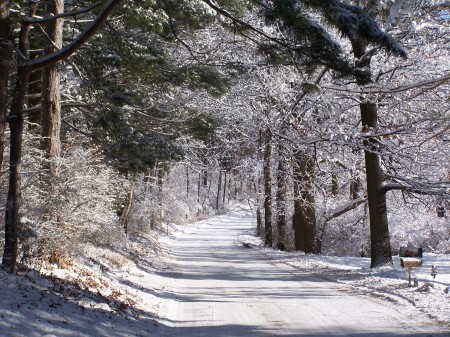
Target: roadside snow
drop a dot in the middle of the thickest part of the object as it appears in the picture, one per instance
(431, 296)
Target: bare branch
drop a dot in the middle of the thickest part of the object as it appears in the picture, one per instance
(436, 134)
(340, 210)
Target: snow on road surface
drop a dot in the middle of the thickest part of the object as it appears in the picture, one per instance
(220, 288)
(205, 283)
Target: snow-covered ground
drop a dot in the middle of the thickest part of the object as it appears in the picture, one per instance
(204, 282)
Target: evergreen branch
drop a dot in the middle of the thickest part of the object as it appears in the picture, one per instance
(49, 59)
(244, 24)
(62, 15)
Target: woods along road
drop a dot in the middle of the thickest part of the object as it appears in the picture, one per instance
(220, 288)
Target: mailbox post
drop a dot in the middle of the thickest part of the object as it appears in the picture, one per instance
(409, 258)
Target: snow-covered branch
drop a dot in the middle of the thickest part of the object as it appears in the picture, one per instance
(46, 60)
(377, 89)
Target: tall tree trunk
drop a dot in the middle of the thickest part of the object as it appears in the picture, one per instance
(199, 187)
(51, 97)
(128, 204)
(308, 204)
(381, 253)
(304, 220)
(160, 183)
(224, 187)
(6, 62)
(267, 172)
(297, 217)
(281, 198)
(15, 120)
(219, 189)
(259, 223)
(187, 182)
(205, 172)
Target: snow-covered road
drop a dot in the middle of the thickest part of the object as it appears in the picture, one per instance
(220, 288)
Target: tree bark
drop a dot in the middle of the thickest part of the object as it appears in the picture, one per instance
(128, 204)
(281, 198)
(267, 173)
(199, 187)
(304, 220)
(205, 172)
(297, 218)
(51, 97)
(224, 188)
(259, 223)
(160, 182)
(354, 187)
(6, 62)
(381, 253)
(187, 182)
(15, 120)
(13, 202)
(219, 189)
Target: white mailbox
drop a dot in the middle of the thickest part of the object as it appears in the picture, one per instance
(410, 262)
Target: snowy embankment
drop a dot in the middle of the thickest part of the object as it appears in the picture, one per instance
(143, 289)
(431, 296)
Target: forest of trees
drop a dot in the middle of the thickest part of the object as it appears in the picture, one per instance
(329, 118)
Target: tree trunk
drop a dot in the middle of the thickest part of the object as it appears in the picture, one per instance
(281, 199)
(354, 187)
(267, 189)
(51, 98)
(15, 120)
(308, 203)
(219, 189)
(381, 253)
(187, 182)
(259, 223)
(128, 204)
(160, 183)
(205, 172)
(297, 218)
(199, 187)
(224, 188)
(304, 220)
(6, 62)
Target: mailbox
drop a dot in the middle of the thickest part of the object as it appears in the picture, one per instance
(410, 252)
(409, 262)
(410, 257)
